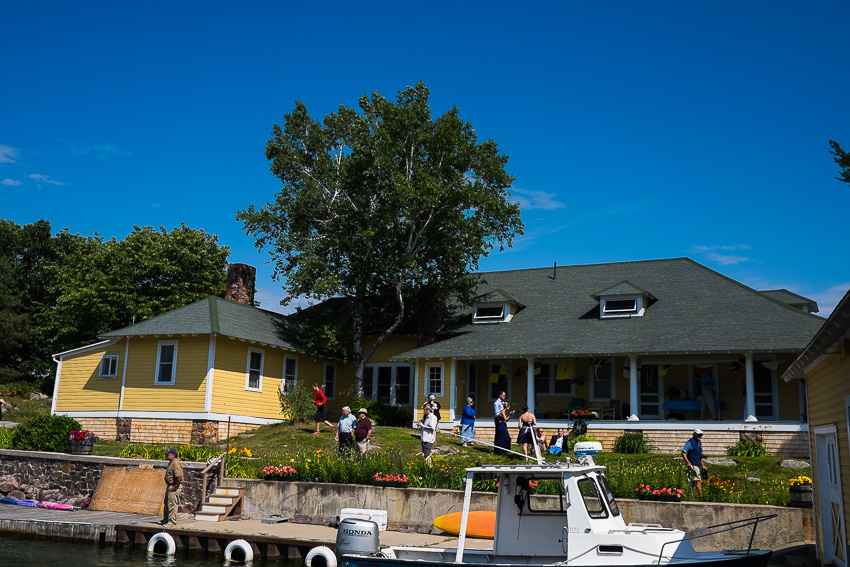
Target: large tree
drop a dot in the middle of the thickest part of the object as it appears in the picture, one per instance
(842, 158)
(381, 203)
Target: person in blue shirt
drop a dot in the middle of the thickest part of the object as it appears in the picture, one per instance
(344, 430)
(467, 423)
(693, 455)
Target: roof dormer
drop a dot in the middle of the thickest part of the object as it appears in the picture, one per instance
(622, 300)
(496, 306)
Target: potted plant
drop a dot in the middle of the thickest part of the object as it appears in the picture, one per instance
(800, 489)
(582, 413)
(272, 472)
(82, 441)
(287, 473)
(394, 480)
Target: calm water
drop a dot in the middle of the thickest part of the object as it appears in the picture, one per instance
(30, 553)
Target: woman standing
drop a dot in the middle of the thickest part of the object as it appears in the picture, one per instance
(525, 436)
(503, 438)
(467, 423)
(322, 415)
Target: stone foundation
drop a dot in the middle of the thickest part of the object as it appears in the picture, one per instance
(163, 431)
(71, 479)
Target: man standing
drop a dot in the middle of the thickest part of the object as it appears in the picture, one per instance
(693, 455)
(362, 432)
(344, 429)
(428, 423)
(173, 489)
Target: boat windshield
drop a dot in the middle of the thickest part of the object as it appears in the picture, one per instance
(591, 498)
(609, 496)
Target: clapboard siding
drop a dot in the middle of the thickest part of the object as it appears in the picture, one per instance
(187, 392)
(80, 388)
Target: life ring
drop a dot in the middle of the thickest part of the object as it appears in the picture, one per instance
(160, 540)
(321, 556)
(239, 550)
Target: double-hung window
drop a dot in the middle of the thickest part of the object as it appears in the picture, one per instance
(254, 370)
(554, 377)
(330, 380)
(166, 362)
(108, 366)
(290, 374)
(434, 377)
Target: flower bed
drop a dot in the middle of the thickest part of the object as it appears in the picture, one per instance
(392, 480)
(646, 492)
(274, 472)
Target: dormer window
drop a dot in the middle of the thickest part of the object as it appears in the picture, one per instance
(490, 313)
(622, 300)
(497, 306)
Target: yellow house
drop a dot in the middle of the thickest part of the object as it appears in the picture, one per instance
(825, 365)
(207, 369)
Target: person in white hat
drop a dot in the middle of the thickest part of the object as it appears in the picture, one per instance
(362, 432)
(693, 455)
(435, 406)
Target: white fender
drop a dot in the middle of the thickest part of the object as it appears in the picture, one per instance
(326, 557)
(162, 538)
(239, 550)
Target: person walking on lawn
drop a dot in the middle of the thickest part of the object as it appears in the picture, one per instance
(693, 455)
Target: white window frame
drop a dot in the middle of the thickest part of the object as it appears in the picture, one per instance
(393, 366)
(428, 380)
(113, 362)
(553, 370)
(259, 386)
(156, 380)
(612, 363)
(614, 313)
(489, 319)
(329, 394)
(283, 375)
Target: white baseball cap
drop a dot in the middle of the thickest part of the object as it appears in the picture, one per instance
(697, 431)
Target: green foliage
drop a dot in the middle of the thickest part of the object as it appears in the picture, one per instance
(380, 202)
(44, 433)
(297, 404)
(633, 443)
(18, 389)
(747, 448)
(842, 158)
(322, 339)
(578, 439)
(5, 437)
(382, 412)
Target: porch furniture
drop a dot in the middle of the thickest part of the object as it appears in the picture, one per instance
(693, 405)
(614, 410)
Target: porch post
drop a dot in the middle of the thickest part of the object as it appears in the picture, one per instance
(634, 388)
(530, 386)
(453, 389)
(751, 394)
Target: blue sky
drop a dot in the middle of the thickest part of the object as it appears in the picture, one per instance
(635, 130)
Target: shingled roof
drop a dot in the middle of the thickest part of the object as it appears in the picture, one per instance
(696, 311)
(214, 315)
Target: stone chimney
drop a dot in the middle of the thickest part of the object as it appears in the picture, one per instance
(240, 283)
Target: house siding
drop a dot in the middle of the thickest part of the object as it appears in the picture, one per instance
(80, 389)
(229, 393)
(828, 384)
(187, 392)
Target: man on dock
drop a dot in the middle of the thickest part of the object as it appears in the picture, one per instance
(173, 489)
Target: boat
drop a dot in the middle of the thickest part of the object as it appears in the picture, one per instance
(581, 525)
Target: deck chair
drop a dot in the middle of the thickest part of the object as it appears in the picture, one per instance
(614, 410)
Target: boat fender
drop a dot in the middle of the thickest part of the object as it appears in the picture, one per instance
(239, 551)
(162, 541)
(321, 556)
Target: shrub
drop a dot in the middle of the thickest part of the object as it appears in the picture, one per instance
(747, 448)
(298, 404)
(5, 437)
(382, 412)
(19, 389)
(581, 438)
(633, 443)
(44, 433)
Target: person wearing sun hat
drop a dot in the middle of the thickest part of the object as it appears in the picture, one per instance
(362, 432)
(693, 455)
(173, 489)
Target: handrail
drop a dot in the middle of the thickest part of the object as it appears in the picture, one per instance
(223, 460)
(743, 523)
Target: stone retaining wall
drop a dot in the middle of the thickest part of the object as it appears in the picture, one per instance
(71, 479)
(171, 431)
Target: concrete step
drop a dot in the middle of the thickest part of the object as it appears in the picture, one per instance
(221, 500)
(203, 517)
(207, 509)
(226, 491)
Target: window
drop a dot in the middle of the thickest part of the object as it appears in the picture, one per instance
(330, 380)
(591, 498)
(108, 366)
(290, 374)
(553, 377)
(434, 384)
(388, 383)
(490, 313)
(602, 379)
(166, 362)
(498, 378)
(254, 370)
(609, 495)
(622, 306)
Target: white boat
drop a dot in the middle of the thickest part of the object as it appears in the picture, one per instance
(581, 526)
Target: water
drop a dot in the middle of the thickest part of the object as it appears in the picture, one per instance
(32, 553)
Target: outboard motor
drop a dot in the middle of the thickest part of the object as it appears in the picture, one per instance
(357, 536)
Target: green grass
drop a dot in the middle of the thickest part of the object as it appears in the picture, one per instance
(24, 409)
(316, 459)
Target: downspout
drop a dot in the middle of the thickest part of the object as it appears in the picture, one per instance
(634, 387)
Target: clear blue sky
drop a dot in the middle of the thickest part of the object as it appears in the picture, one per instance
(635, 130)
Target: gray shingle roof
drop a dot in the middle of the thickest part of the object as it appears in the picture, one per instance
(834, 329)
(218, 316)
(792, 299)
(698, 311)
